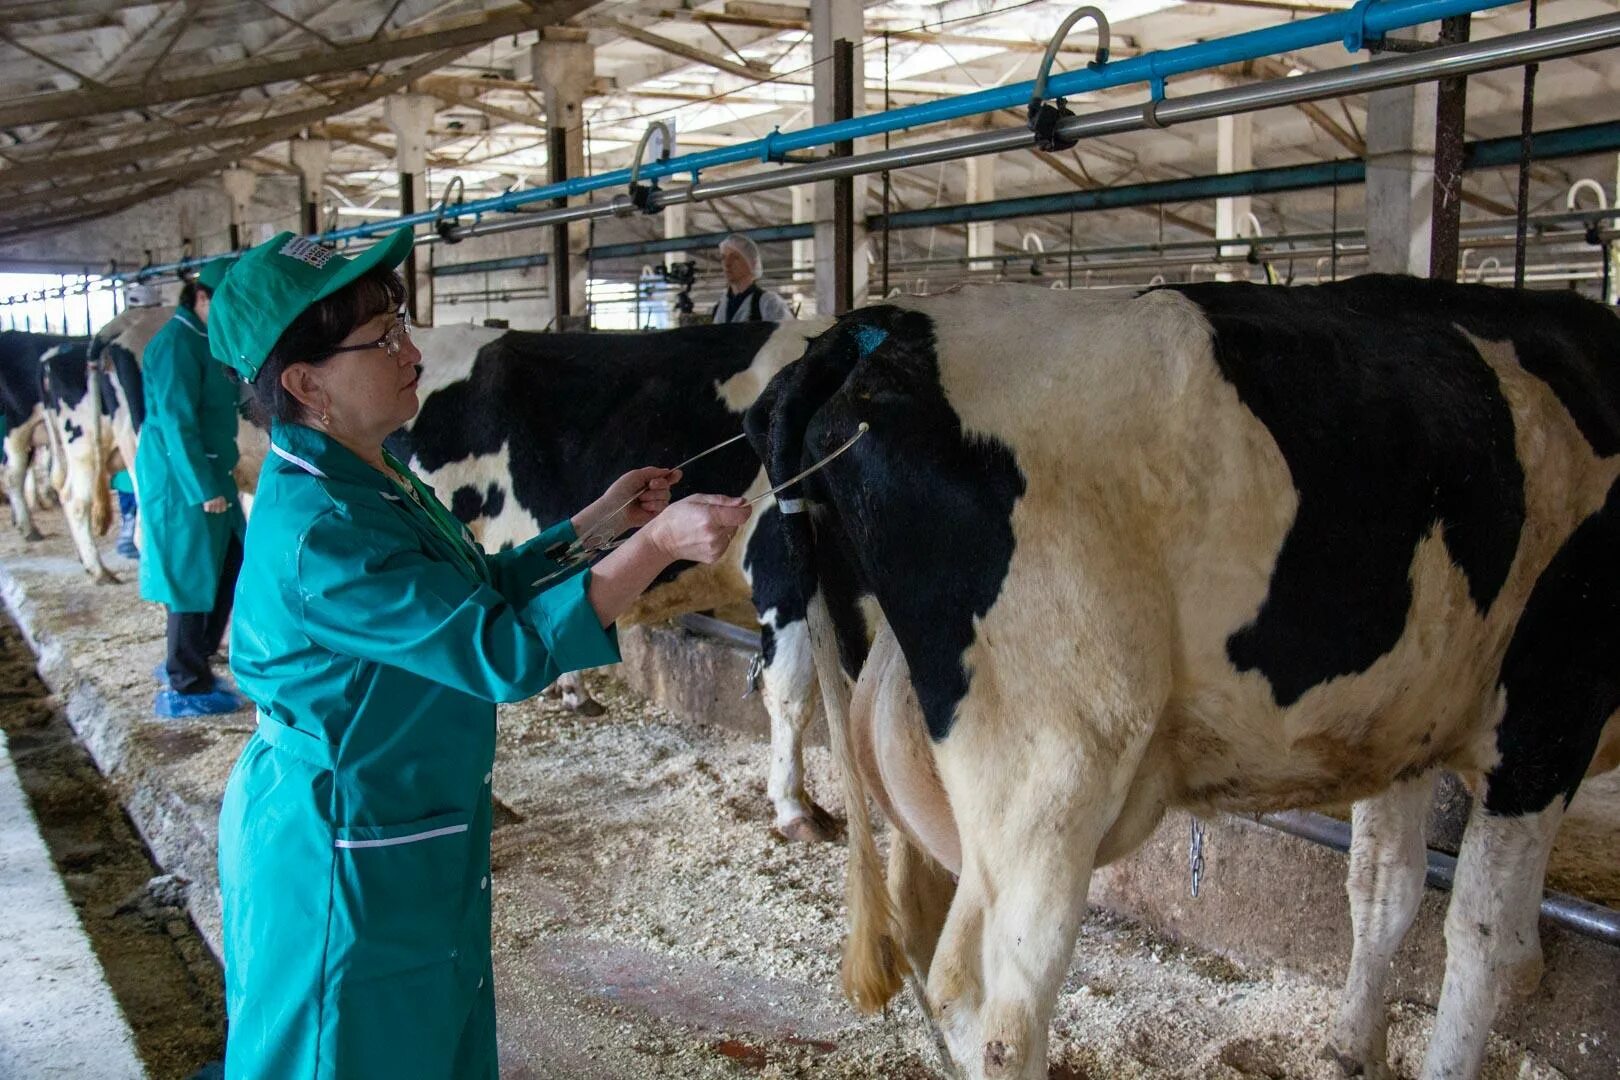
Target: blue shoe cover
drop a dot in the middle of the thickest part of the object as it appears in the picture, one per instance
(177, 706)
(161, 673)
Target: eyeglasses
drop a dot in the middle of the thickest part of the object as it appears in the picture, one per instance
(391, 342)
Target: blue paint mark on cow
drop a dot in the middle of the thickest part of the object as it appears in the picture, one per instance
(868, 338)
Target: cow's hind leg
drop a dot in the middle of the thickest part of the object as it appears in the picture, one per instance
(1009, 936)
(921, 891)
(1493, 943)
(79, 508)
(1387, 869)
(788, 686)
(576, 696)
(19, 445)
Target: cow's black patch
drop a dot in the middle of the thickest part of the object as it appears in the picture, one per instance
(127, 370)
(1560, 672)
(466, 503)
(1391, 426)
(494, 500)
(922, 514)
(67, 376)
(577, 411)
(776, 587)
(74, 431)
(21, 387)
(1564, 340)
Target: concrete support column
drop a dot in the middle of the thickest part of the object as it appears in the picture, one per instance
(411, 117)
(239, 185)
(310, 157)
(803, 286)
(830, 21)
(1400, 178)
(1234, 152)
(563, 67)
(981, 187)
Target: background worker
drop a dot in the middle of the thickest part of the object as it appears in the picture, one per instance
(190, 520)
(746, 300)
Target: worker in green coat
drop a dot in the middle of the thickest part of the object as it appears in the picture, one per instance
(191, 522)
(375, 637)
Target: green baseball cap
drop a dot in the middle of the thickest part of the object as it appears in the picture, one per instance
(272, 284)
(212, 273)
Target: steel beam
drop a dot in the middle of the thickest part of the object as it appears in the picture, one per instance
(260, 72)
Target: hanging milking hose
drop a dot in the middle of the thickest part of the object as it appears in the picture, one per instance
(1526, 135)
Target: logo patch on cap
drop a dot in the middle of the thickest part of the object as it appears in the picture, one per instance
(307, 251)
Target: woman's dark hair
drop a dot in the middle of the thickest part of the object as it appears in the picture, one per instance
(188, 296)
(318, 330)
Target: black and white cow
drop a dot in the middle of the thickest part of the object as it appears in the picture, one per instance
(1220, 547)
(21, 397)
(93, 435)
(518, 430)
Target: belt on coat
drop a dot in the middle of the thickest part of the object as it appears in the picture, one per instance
(301, 745)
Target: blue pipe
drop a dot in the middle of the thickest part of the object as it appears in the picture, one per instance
(1576, 141)
(1368, 21)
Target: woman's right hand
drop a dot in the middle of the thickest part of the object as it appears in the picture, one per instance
(699, 528)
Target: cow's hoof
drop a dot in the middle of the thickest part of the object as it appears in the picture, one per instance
(588, 707)
(1349, 1065)
(105, 577)
(816, 827)
(33, 536)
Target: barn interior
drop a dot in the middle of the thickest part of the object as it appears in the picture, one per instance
(573, 165)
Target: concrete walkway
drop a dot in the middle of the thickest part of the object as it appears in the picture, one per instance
(57, 1016)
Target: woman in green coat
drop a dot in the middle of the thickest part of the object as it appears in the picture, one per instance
(375, 637)
(191, 522)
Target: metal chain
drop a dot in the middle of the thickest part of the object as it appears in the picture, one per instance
(1195, 855)
(756, 671)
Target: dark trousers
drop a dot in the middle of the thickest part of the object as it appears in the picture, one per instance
(194, 636)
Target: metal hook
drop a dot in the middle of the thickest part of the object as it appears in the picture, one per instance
(1058, 37)
(447, 229)
(641, 194)
(1586, 184)
(1045, 117)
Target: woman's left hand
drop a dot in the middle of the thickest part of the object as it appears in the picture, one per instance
(646, 491)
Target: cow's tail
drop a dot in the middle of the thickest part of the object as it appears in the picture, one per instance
(872, 960)
(777, 424)
(53, 438)
(100, 504)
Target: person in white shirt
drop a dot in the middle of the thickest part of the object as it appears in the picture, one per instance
(745, 300)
